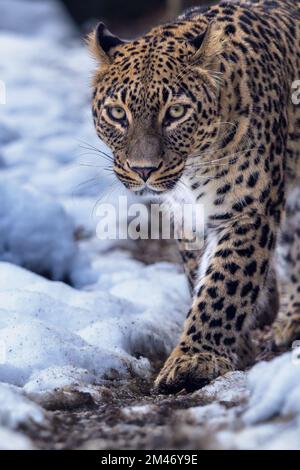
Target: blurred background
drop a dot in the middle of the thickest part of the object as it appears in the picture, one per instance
(120, 305)
(47, 139)
(48, 144)
(49, 151)
(129, 17)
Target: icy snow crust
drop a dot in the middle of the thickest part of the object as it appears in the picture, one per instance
(120, 314)
(48, 325)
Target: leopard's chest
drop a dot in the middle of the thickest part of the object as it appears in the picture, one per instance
(202, 200)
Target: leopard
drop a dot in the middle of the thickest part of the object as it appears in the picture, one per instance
(205, 108)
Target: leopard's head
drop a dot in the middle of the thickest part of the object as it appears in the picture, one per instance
(156, 101)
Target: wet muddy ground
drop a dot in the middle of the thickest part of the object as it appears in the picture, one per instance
(126, 414)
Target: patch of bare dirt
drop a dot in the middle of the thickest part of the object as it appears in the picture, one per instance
(129, 416)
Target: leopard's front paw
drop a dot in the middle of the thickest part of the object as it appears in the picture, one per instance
(190, 371)
(286, 330)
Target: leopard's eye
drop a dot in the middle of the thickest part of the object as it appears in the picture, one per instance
(177, 111)
(117, 113)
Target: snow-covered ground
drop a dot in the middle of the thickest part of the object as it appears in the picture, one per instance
(120, 314)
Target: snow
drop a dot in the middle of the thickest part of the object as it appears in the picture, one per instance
(10, 440)
(226, 391)
(269, 436)
(35, 231)
(31, 18)
(18, 409)
(116, 314)
(254, 410)
(49, 325)
(138, 411)
(275, 389)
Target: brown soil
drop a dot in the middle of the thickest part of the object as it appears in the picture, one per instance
(105, 425)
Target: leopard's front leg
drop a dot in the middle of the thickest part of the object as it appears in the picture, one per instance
(216, 337)
(190, 260)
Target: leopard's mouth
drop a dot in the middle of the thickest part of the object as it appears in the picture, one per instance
(151, 186)
(160, 179)
(150, 192)
(154, 188)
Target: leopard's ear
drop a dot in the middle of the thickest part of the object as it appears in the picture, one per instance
(208, 46)
(102, 43)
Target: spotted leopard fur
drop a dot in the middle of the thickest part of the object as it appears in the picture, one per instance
(202, 108)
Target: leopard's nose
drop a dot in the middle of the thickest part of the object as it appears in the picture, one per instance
(145, 171)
